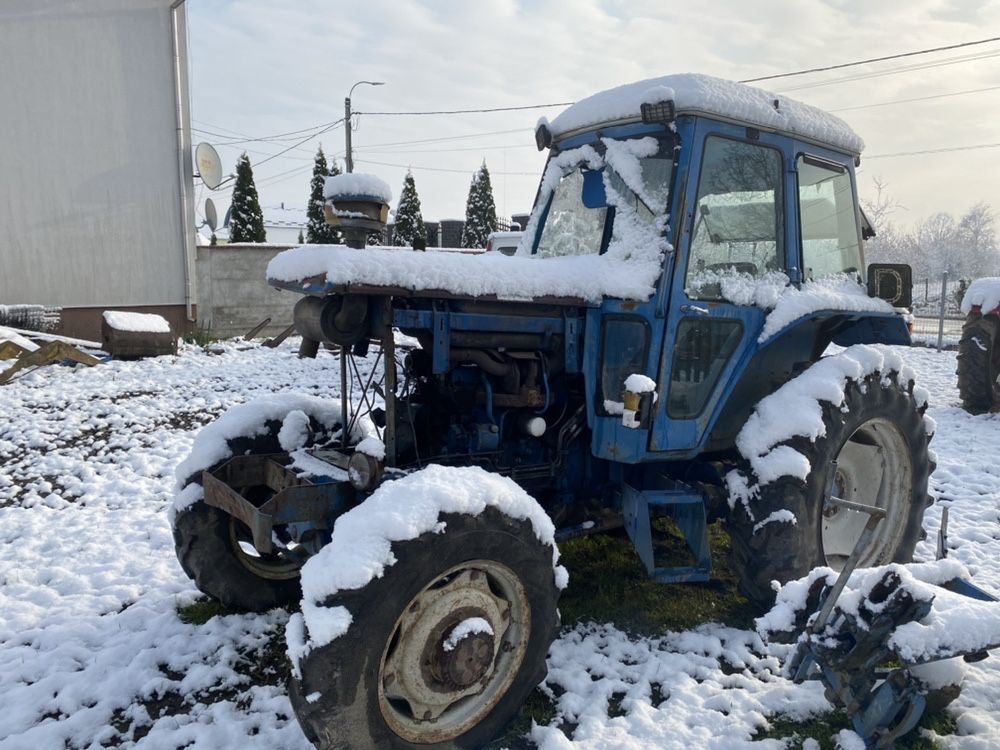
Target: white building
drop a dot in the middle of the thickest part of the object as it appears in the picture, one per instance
(95, 168)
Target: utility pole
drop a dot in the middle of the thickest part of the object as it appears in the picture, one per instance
(349, 159)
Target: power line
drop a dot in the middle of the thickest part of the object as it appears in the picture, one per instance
(443, 169)
(471, 111)
(446, 138)
(245, 138)
(942, 150)
(893, 71)
(916, 99)
(872, 60)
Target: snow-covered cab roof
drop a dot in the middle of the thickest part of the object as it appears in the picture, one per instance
(693, 93)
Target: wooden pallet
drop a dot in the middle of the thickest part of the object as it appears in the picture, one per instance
(47, 354)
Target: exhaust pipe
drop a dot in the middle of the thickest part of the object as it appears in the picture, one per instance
(338, 319)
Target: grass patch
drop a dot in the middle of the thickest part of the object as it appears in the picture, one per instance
(824, 730)
(201, 612)
(608, 583)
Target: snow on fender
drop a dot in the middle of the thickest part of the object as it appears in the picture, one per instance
(360, 548)
(852, 427)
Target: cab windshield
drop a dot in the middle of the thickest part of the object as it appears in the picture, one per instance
(630, 176)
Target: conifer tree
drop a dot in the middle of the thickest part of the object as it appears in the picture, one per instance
(246, 222)
(480, 210)
(318, 232)
(409, 220)
(301, 238)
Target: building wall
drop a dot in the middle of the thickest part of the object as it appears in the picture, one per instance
(233, 291)
(90, 195)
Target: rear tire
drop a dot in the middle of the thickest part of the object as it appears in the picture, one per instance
(881, 434)
(979, 365)
(372, 686)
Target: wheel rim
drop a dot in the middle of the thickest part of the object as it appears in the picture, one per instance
(429, 693)
(874, 468)
(274, 567)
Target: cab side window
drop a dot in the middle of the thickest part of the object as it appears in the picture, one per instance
(831, 243)
(737, 222)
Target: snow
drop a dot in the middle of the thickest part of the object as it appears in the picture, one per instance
(983, 293)
(141, 322)
(360, 548)
(464, 629)
(290, 409)
(628, 269)
(6, 334)
(639, 383)
(838, 292)
(371, 446)
(702, 94)
(795, 410)
(92, 650)
(357, 186)
(739, 288)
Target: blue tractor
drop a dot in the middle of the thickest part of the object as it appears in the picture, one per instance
(663, 344)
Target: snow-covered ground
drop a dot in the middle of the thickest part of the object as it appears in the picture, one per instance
(94, 654)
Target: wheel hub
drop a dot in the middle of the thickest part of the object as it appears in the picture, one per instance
(467, 663)
(431, 693)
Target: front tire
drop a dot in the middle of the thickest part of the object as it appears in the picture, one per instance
(215, 549)
(878, 435)
(391, 682)
(979, 365)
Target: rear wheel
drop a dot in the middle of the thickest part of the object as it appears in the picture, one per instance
(979, 365)
(442, 649)
(874, 452)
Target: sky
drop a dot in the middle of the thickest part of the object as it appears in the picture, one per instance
(266, 67)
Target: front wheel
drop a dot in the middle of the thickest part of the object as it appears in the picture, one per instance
(442, 649)
(874, 451)
(215, 549)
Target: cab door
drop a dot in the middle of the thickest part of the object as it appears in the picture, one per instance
(733, 251)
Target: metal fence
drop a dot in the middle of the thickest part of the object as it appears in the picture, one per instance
(937, 317)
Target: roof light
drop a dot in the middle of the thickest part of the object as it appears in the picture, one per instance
(658, 112)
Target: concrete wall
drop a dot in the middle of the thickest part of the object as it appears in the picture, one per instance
(90, 192)
(233, 295)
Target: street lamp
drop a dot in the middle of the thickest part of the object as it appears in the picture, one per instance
(347, 120)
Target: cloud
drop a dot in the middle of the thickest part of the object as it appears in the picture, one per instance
(261, 67)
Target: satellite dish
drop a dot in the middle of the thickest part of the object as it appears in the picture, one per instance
(209, 165)
(229, 213)
(211, 217)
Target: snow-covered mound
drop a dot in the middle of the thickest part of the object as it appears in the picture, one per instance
(132, 321)
(696, 93)
(982, 293)
(357, 185)
(361, 546)
(956, 624)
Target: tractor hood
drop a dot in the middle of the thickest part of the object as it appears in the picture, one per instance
(326, 269)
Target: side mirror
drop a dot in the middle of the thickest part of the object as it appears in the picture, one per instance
(892, 282)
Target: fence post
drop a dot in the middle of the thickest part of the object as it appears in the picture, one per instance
(944, 294)
(927, 289)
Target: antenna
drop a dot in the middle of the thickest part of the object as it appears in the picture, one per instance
(211, 216)
(209, 165)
